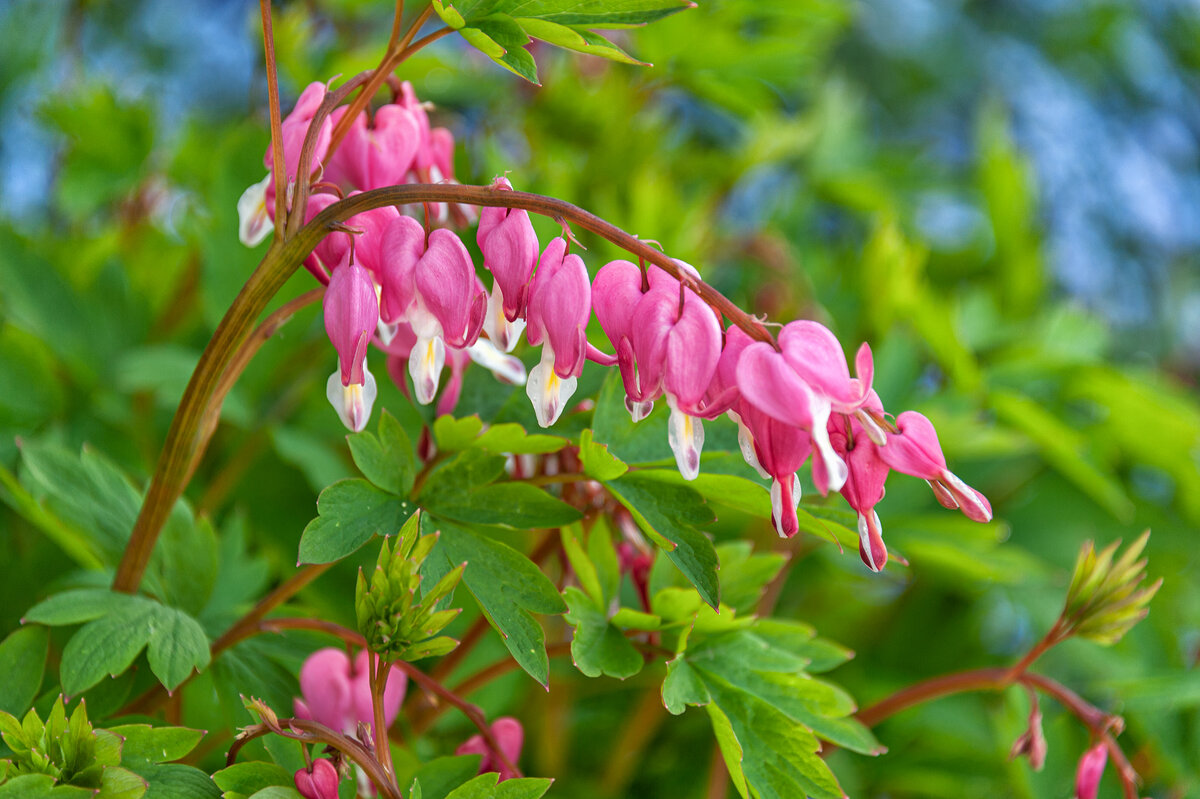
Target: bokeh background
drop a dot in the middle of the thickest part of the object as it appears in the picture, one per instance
(1003, 197)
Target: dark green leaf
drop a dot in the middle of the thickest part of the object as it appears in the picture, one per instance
(350, 513)
(667, 513)
(157, 744)
(507, 586)
(23, 662)
(511, 503)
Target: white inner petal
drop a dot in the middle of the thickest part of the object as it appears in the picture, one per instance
(835, 468)
(504, 367)
(253, 223)
(638, 410)
(686, 436)
(353, 403)
(548, 392)
(777, 502)
(425, 364)
(503, 333)
(746, 444)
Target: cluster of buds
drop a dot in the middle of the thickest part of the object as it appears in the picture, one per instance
(1107, 597)
(412, 290)
(396, 624)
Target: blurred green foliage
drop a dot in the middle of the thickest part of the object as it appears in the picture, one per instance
(746, 150)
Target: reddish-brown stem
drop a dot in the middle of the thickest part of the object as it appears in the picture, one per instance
(280, 174)
(998, 679)
(469, 710)
(473, 635)
(1050, 639)
(314, 625)
(312, 732)
(377, 680)
(241, 359)
(552, 207)
(395, 37)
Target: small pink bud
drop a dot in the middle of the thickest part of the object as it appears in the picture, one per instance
(1091, 769)
(509, 735)
(319, 783)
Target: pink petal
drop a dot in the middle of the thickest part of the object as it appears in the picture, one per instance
(814, 352)
(870, 541)
(446, 283)
(693, 350)
(351, 316)
(560, 303)
(1091, 769)
(768, 382)
(915, 449)
(400, 248)
(615, 292)
(325, 683)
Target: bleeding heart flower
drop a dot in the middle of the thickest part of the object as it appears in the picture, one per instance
(915, 450)
(510, 252)
(560, 303)
(351, 317)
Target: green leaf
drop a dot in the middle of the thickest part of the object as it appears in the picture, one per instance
(386, 459)
(78, 606)
(514, 504)
(41, 786)
(157, 744)
(502, 40)
(508, 588)
(779, 756)
(185, 560)
(745, 574)
(443, 774)
(512, 438)
(251, 776)
(485, 786)
(594, 13)
(23, 662)
(682, 687)
(106, 646)
(120, 783)
(598, 647)
(176, 781)
(453, 435)
(350, 513)
(633, 442)
(178, 645)
(728, 490)
(278, 792)
(731, 748)
(597, 461)
(667, 513)
(581, 564)
(635, 619)
(581, 40)
(464, 472)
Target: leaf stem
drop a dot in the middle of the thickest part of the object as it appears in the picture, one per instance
(280, 174)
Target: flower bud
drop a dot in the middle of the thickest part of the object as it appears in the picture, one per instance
(321, 782)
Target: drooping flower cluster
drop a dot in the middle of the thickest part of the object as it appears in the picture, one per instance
(411, 289)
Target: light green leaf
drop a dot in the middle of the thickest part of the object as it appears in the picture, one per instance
(78, 606)
(597, 461)
(682, 687)
(106, 646)
(581, 40)
(453, 434)
(350, 513)
(597, 646)
(731, 748)
(385, 459)
(157, 744)
(251, 776)
(178, 645)
(120, 783)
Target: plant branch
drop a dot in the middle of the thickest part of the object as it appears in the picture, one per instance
(239, 362)
(377, 675)
(281, 260)
(999, 679)
(472, 712)
(312, 732)
(280, 175)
